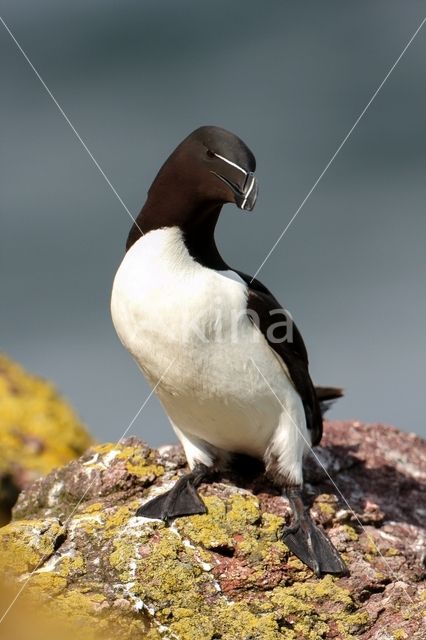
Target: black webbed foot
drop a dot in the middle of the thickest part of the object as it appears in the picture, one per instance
(181, 500)
(308, 542)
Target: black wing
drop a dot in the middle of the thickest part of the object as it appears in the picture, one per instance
(286, 340)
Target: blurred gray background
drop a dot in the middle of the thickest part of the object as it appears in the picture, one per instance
(290, 78)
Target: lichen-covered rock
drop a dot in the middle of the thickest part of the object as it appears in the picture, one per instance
(38, 431)
(227, 574)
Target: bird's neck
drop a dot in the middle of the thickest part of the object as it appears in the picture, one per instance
(197, 223)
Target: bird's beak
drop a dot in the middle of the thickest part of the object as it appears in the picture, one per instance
(245, 189)
(246, 199)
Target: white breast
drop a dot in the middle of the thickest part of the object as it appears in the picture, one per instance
(177, 316)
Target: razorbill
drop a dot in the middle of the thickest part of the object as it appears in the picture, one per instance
(228, 363)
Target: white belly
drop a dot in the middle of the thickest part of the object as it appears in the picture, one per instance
(186, 326)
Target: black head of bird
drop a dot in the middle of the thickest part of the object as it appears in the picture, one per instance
(209, 168)
(210, 165)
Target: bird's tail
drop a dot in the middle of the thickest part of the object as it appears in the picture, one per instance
(326, 396)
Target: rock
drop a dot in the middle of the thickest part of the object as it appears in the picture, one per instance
(227, 575)
(38, 431)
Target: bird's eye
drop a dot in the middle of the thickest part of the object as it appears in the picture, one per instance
(210, 153)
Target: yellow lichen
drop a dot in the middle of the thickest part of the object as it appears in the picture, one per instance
(105, 448)
(349, 532)
(271, 525)
(210, 530)
(47, 582)
(91, 523)
(224, 520)
(243, 510)
(327, 504)
(301, 600)
(391, 552)
(147, 471)
(229, 621)
(95, 507)
(139, 462)
(27, 543)
(71, 566)
(198, 627)
(77, 611)
(39, 431)
(116, 517)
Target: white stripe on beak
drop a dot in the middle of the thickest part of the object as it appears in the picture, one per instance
(248, 192)
(231, 163)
